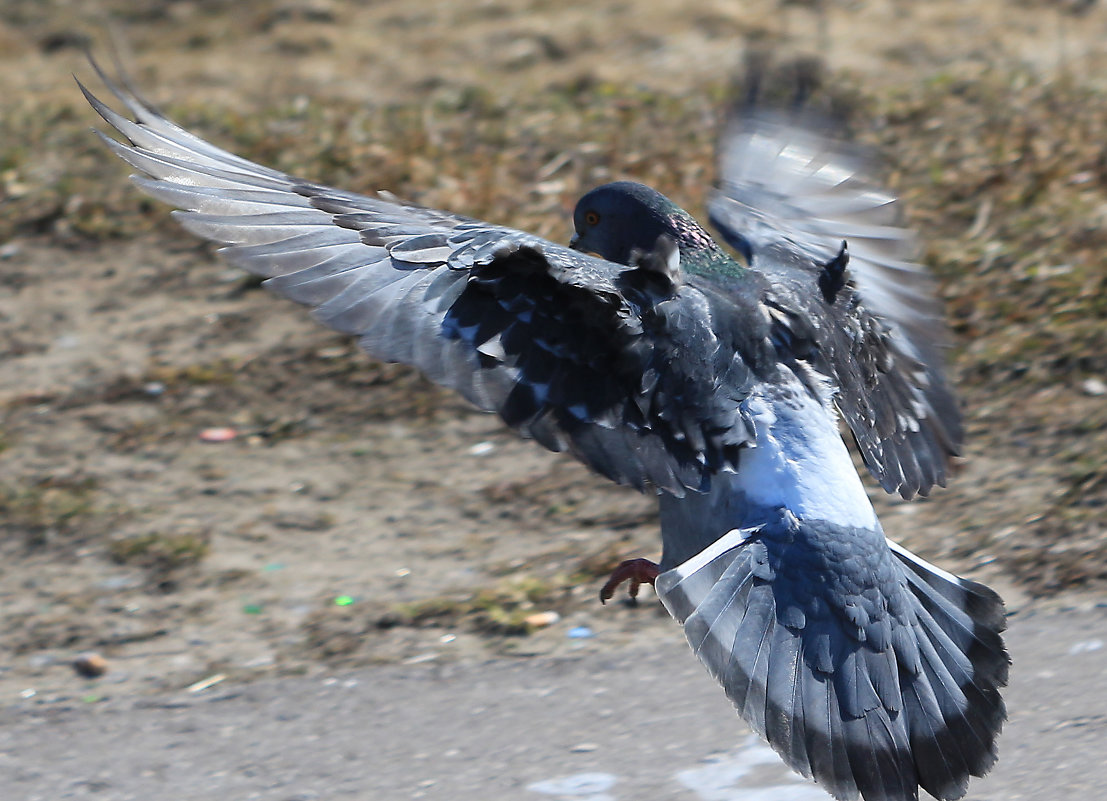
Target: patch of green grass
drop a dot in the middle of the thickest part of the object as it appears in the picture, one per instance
(429, 612)
(503, 609)
(221, 372)
(46, 509)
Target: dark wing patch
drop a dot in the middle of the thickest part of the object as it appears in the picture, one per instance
(788, 197)
(579, 353)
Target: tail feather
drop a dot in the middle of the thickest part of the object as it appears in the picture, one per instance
(971, 614)
(893, 760)
(844, 782)
(964, 621)
(750, 657)
(863, 666)
(941, 768)
(716, 622)
(943, 746)
(884, 674)
(698, 576)
(786, 673)
(819, 714)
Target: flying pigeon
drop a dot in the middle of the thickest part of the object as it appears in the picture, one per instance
(662, 362)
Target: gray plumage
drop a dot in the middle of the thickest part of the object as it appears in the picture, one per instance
(661, 362)
(788, 197)
(862, 665)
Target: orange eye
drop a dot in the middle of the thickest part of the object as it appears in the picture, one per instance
(592, 218)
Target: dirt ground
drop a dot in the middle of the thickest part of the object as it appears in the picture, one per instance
(360, 515)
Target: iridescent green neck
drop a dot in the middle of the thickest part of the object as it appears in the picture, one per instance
(711, 260)
(699, 253)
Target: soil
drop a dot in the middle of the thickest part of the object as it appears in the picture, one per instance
(360, 515)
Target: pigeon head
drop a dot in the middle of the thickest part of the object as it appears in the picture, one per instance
(621, 220)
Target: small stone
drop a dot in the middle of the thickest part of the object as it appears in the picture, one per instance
(90, 665)
(223, 434)
(581, 633)
(540, 620)
(1094, 387)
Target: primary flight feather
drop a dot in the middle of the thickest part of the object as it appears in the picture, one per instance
(662, 362)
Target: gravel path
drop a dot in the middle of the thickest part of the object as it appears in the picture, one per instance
(602, 725)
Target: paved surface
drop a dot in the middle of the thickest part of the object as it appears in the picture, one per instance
(625, 724)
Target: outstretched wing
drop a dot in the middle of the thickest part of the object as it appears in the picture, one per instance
(788, 196)
(579, 353)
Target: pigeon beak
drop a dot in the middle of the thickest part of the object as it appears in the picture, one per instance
(574, 243)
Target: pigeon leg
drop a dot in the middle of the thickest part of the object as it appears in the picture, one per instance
(633, 570)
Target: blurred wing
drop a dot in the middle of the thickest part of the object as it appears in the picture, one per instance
(788, 197)
(571, 350)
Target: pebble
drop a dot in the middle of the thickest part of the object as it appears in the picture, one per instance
(540, 620)
(1094, 387)
(581, 633)
(90, 665)
(223, 434)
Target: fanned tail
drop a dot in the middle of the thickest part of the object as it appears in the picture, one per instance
(863, 666)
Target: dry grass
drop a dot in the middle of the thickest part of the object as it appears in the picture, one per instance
(1004, 168)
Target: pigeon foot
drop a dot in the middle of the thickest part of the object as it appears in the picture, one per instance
(635, 571)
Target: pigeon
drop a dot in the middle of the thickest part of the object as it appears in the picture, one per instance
(664, 362)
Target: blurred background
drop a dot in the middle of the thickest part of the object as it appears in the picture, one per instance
(198, 484)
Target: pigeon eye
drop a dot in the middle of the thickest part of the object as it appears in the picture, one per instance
(592, 218)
